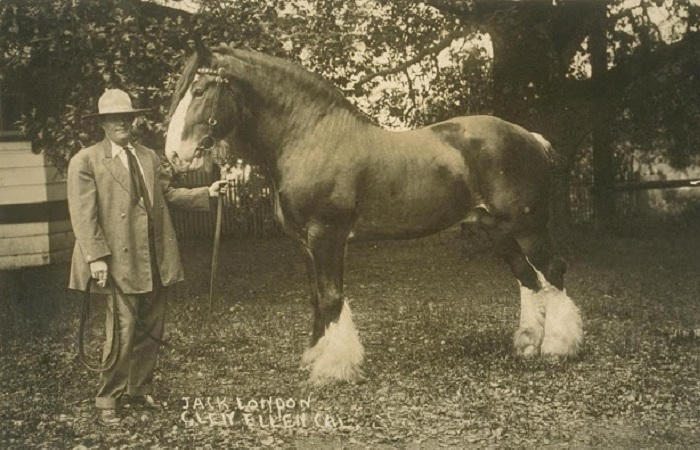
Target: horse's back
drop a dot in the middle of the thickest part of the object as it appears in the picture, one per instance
(509, 167)
(500, 138)
(496, 144)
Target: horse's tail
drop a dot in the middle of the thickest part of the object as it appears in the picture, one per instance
(557, 223)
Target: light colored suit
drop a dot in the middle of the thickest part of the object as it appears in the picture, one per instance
(109, 224)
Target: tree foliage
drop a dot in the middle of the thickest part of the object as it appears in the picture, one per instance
(660, 103)
(405, 63)
(63, 54)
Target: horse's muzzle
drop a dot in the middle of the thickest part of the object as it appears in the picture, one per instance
(180, 166)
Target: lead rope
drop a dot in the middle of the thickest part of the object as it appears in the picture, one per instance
(111, 358)
(215, 254)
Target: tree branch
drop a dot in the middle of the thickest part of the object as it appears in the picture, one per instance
(437, 48)
(623, 75)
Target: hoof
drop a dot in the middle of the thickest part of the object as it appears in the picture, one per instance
(556, 346)
(527, 342)
(327, 368)
(529, 351)
(349, 375)
(338, 354)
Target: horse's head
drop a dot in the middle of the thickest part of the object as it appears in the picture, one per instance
(207, 114)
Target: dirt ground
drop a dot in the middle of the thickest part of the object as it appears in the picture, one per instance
(436, 317)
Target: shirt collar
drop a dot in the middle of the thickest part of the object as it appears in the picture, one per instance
(117, 149)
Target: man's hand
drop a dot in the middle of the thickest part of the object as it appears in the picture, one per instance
(99, 271)
(218, 188)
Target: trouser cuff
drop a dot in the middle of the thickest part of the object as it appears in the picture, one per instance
(106, 402)
(139, 390)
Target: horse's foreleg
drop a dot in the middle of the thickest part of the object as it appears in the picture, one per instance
(563, 328)
(336, 353)
(318, 325)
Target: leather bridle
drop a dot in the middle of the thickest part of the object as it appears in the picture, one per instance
(208, 142)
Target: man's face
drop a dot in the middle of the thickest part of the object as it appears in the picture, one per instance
(118, 127)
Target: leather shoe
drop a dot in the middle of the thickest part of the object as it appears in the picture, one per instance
(108, 418)
(146, 401)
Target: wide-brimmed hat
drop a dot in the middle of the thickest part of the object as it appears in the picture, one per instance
(115, 101)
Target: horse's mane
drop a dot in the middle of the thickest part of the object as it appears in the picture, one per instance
(284, 73)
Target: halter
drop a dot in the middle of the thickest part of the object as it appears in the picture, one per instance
(208, 142)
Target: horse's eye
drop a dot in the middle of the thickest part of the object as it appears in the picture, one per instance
(197, 92)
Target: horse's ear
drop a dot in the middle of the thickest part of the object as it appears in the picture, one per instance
(203, 53)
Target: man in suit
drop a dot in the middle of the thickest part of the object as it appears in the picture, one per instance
(117, 196)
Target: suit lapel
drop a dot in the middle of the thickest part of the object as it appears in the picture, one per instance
(116, 167)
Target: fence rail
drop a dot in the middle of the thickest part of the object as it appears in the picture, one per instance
(656, 184)
(636, 202)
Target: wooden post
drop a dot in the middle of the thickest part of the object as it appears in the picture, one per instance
(603, 153)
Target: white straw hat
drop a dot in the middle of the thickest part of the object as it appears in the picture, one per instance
(115, 101)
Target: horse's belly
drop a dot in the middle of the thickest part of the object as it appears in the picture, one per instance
(425, 196)
(406, 219)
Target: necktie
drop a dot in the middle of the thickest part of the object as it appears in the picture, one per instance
(138, 185)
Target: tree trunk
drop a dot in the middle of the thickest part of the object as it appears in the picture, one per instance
(603, 154)
(533, 44)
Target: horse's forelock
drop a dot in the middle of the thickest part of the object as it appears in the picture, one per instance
(188, 73)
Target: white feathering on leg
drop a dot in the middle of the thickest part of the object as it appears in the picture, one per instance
(338, 355)
(563, 335)
(563, 327)
(528, 337)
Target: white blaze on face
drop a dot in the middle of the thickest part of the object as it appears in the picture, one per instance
(177, 125)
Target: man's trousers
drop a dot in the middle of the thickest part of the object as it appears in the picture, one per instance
(132, 372)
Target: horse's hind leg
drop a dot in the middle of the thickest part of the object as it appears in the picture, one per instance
(336, 352)
(549, 321)
(563, 329)
(530, 334)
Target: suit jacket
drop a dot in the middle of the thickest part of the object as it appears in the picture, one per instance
(108, 223)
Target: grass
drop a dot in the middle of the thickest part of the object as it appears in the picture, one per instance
(437, 329)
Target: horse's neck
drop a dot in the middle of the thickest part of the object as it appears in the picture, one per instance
(304, 127)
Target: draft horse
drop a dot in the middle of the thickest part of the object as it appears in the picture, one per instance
(337, 176)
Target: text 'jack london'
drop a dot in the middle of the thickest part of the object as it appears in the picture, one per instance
(263, 413)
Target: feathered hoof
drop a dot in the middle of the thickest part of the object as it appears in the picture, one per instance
(557, 346)
(321, 376)
(563, 335)
(338, 355)
(328, 369)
